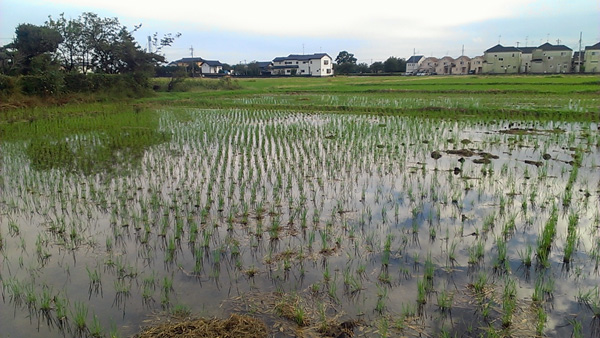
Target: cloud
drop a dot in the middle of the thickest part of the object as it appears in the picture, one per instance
(377, 19)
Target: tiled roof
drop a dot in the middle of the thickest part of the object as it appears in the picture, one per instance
(596, 46)
(501, 49)
(414, 59)
(547, 46)
(297, 57)
(527, 50)
(213, 63)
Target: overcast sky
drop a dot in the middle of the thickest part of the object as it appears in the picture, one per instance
(234, 31)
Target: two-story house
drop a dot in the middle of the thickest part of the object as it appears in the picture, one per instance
(549, 58)
(413, 63)
(319, 64)
(592, 58)
(502, 60)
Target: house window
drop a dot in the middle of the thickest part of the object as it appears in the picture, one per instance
(549, 57)
(326, 62)
(303, 62)
(302, 71)
(328, 71)
(296, 62)
(500, 59)
(288, 62)
(513, 54)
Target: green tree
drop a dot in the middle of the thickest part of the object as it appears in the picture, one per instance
(33, 46)
(376, 67)
(362, 68)
(345, 63)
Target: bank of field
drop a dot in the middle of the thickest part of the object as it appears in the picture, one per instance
(384, 206)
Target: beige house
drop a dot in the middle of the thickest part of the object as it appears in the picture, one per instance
(429, 65)
(526, 57)
(502, 60)
(462, 65)
(592, 58)
(445, 66)
(476, 65)
(549, 58)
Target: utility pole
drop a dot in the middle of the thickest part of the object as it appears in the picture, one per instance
(193, 63)
(580, 52)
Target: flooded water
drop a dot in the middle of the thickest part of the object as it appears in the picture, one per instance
(404, 224)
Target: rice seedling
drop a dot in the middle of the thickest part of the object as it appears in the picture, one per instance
(79, 315)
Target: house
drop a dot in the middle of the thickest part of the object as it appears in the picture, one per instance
(211, 67)
(185, 62)
(205, 66)
(265, 67)
(526, 57)
(319, 64)
(549, 58)
(413, 63)
(577, 62)
(591, 57)
(428, 65)
(462, 65)
(502, 60)
(476, 65)
(445, 65)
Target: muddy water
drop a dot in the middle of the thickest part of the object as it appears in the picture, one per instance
(344, 211)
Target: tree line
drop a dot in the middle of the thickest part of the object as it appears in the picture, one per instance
(346, 63)
(82, 54)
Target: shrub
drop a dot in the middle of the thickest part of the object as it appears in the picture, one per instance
(7, 85)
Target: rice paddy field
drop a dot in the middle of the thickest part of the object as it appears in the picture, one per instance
(366, 207)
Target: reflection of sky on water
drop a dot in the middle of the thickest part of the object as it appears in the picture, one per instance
(369, 178)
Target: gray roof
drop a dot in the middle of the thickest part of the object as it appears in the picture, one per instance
(189, 60)
(297, 57)
(527, 50)
(213, 63)
(596, 46)
(414, 59)
(548, 46)
(501, 49)
(264, 64)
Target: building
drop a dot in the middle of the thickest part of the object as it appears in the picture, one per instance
(591, 57)
(319, 64)
(526, 57)
(445, 65)
(413, 63)
(476, 65)
(428, 65)
(502, 60)
(211, 67)
(265, 67)
(549, 58)
(462, 65)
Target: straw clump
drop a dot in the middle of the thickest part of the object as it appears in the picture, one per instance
(234, 326)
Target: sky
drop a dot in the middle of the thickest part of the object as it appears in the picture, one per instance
(239, 31)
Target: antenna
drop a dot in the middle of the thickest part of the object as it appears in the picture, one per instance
(526, 40)
(499, 37)
(192, 51)
(463, 51)
(558, 41)
(302, 49)
(149, 44)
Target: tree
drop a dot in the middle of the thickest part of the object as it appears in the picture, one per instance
(345, 63)
(104, 45)
(361, 68)
(376, 67)
(33, 45)
(345, 57)
(391, 65)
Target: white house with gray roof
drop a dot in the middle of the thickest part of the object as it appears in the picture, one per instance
(413, 63)
(319, 64)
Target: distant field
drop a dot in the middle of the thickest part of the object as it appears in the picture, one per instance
(571, 97)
